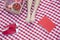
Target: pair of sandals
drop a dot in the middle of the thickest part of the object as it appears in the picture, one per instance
(31, 18)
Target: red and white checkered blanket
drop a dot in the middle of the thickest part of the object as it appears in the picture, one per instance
(31, 31)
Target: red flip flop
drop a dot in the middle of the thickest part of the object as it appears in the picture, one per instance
(11, 30)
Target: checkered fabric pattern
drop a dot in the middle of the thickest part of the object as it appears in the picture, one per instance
(32, 30)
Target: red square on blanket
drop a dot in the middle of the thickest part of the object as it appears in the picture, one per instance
(47, 23)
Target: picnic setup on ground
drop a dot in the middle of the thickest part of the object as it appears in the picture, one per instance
(30, 17)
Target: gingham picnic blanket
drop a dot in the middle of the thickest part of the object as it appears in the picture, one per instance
(32, 30)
